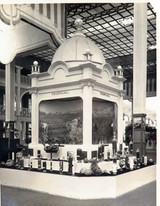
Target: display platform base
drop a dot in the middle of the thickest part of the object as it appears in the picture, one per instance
(78, 187)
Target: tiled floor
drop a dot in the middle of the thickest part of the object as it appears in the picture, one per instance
(143, 196)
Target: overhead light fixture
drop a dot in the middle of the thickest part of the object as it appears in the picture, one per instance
(126, 21)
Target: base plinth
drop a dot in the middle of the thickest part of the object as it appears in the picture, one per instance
(78, 187)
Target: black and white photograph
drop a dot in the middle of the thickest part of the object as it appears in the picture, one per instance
(79, 103)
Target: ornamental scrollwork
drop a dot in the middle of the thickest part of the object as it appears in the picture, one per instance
(89, 83)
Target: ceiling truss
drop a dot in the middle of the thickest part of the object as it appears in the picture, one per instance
(105, 25)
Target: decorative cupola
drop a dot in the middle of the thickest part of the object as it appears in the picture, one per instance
(78, 49)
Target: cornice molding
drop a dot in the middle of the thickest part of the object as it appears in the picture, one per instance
(109, 87)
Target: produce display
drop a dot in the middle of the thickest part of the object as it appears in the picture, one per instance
(106, 163)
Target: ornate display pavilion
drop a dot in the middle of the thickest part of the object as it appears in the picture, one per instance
(62, 90)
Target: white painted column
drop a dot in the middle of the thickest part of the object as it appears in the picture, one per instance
(18, 100)
(140, 58)
(59, 16)
(87, 113)
(35, 125)
(10, 92)
(35, 109)
(120, 127)
(139, 75)
(45, 9)
(52, 11)
(35, 119)
(23, 130)
(37, 7)
(18, 89)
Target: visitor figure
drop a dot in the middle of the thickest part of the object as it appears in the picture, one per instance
(45, 127)
(75, 130)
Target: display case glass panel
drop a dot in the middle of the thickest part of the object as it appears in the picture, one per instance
(61, 121)
(104, 121)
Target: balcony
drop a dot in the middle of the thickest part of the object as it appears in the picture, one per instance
(25, 80)
(150, 87)
(24, 112)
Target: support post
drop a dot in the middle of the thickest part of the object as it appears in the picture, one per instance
(139, 75)
(9, 103)
(23, 130)
(18, 100)
(35, 119)
(119, 113)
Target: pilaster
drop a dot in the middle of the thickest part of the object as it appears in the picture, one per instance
(119, 113)
(87, 87)
(35, 118)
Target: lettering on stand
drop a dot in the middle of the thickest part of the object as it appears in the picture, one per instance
(59, 92)
(105, 94)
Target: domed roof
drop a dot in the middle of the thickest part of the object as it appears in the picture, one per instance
(78, 48)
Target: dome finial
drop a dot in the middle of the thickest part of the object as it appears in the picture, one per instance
(78, 23)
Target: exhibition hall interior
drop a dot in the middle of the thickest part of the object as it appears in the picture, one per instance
(77, 98)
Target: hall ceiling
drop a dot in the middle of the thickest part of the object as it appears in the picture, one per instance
(110, 26)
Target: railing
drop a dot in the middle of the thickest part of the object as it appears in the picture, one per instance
(25, 112)
(25, 80)
(150, 87)
(2, 109)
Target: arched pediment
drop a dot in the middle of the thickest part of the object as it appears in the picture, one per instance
(58, 70)
(109, 69)
(105, 75)
(107, 72)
